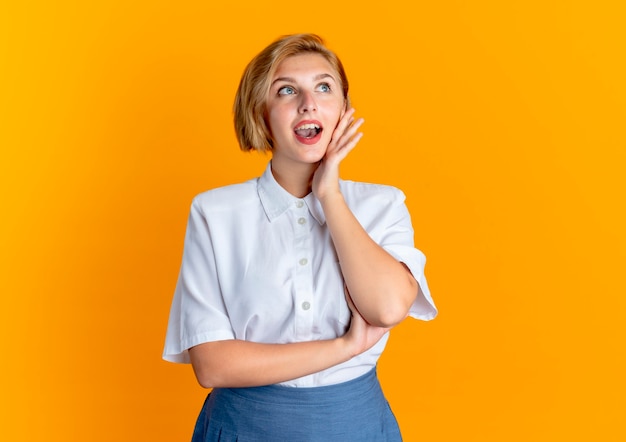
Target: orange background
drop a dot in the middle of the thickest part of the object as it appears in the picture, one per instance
(503, 122)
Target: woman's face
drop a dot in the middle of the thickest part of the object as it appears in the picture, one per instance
(304, 106)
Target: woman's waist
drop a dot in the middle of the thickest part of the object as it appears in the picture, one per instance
(280, 394)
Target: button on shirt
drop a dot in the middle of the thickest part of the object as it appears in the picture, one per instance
(259, 265)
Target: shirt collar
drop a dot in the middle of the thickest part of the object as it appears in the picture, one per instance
(276, 200)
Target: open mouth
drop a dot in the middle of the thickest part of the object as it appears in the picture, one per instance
(308, 131)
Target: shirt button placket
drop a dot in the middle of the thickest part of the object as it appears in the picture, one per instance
(303, 274)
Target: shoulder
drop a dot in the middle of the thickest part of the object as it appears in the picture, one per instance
(227, 198)
(378, 207)
(355, 191)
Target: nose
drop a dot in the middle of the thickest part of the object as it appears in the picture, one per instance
(307, 102)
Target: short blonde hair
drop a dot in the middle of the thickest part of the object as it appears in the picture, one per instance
(251, 100)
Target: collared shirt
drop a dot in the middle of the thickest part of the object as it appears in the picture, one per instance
(259, 265)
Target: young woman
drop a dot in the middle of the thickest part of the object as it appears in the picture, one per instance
(290, 282)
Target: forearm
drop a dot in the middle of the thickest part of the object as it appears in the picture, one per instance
(381, 287)
(236, 363)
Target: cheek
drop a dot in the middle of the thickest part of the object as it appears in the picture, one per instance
(339, 115)
(272, 119)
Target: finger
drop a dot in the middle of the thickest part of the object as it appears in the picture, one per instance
(347, 115)
(348, 139)
(351, 130)
(344, 150)
(343, 124)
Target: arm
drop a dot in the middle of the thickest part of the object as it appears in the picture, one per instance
(235, 363)
(381, 287)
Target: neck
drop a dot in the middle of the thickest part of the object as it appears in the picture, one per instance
(295, 179)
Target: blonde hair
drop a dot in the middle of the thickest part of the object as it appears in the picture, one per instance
(251, 100)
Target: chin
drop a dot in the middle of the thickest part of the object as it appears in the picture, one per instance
(315, 156)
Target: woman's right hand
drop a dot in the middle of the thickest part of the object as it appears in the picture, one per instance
(361, 336)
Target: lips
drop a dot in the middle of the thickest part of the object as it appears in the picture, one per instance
(308, 131)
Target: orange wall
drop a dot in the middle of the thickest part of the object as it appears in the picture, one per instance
(503, 122)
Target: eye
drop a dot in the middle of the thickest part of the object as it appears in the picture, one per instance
(286, 90)
(324, 87)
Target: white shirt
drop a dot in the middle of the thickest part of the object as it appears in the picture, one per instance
(259, 265)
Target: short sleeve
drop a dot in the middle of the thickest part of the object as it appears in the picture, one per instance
(198, 313)
(398, 241)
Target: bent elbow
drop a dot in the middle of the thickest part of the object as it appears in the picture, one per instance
(394, 303)
(389, 316)
(210, 378)
(390, 320)
(204, 379)
(205, 382)
(206, 371)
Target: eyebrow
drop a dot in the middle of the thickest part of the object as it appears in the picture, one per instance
(316, 78)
